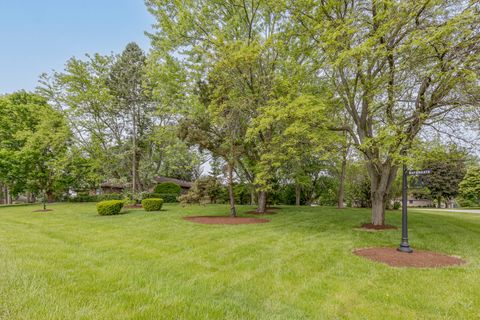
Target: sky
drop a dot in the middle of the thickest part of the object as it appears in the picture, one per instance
(39, 36)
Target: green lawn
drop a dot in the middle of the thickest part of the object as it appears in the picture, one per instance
(73, 264)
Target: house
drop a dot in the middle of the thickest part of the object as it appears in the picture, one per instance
(109, 187)
(417, 202)
(185, 185)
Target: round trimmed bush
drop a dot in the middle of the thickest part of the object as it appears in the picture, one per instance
(109, 207)
(168, 187)
(152, 204)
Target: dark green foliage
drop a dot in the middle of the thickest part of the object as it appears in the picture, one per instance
(84, 198)
(396, 205)
(110, 196)
(167, 197)
(152, 204)
(241, 192)
(96, 198)
(110, 207)
(168, 187)
(448, 170)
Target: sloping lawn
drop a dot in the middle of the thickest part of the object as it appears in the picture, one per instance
(73, 264)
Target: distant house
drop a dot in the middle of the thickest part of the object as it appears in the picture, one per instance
(417, 202)
(108, 187)
(185, 185)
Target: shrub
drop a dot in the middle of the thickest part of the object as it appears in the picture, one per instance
(96, 198)
(167, 197)
(84, 198)
(152, 204)
(109, 207)
(110, 196)
(396, 205)
(168, 187)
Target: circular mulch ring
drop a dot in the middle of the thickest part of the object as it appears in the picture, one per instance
(41, 210)
(224, 220)
(416, 259)
(261, 214)
(371, 226)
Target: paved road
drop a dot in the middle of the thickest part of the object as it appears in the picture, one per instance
(453, 210)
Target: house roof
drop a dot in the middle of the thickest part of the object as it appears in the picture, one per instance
(108, 184)
(181, 183)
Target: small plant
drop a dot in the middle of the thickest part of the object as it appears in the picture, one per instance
(396, 205)
(109, 207)
(152, 204)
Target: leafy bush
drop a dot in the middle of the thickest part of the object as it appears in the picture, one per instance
(465, 203)
(167, 197)
(84, 198)
(152, 204)
(396, 205)
(96, 198)
(168, 188)
(205, 190)
(110, 196)
(109, 207)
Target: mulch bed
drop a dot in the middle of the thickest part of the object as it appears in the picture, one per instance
(416, 259)
(41, 210)
(371, 226)
(224, 220)
(261, 214)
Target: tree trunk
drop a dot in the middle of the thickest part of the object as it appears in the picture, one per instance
(382, 177)
(262, 202)
(44, 201)
(134, 154)
(8, 197)
(341, 187)
(378, 209)
(233, 212)
(50, 198)
(298, 190)
(252, 195)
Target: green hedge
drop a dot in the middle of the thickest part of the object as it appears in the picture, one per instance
(152, 204)
(109, 207)
(168, 188)
(167, 197)
(96, 198)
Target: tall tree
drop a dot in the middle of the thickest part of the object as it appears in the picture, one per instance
(396, 66)
(33, 141)
(93, 95)
(127, 84)
(250, 48)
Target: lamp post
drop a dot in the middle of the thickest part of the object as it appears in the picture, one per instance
(404, 246)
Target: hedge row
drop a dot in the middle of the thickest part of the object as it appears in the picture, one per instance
(167, 197)
(96, 198)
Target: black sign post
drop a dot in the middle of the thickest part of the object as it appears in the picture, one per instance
(404, 245)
